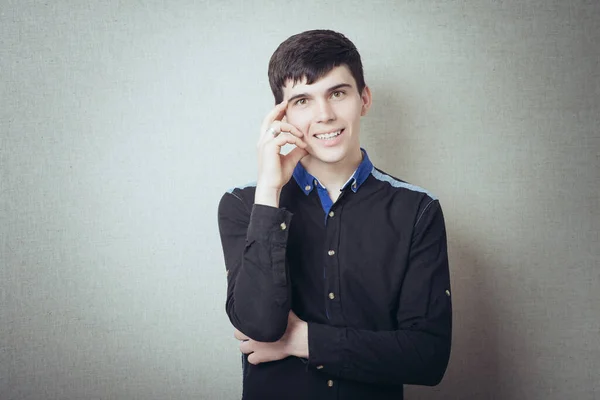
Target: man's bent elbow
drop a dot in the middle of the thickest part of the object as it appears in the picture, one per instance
(257, 328)
(271, 334)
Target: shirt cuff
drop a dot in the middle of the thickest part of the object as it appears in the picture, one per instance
(268, 222)
(326, 348)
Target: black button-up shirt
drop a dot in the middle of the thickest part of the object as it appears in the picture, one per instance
(369, 273)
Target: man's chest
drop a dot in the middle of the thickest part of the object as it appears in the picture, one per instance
(352, 266)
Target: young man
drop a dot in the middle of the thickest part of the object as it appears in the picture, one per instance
(337, 273)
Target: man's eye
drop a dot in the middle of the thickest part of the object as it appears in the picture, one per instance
(337, 94)
(300, 102)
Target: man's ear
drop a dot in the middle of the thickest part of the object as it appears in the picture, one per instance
(367, 100)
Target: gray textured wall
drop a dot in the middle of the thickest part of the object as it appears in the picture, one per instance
(122, 123)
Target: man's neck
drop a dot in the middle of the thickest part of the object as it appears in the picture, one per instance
(333, 175)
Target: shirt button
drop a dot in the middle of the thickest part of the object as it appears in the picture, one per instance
(448, 293)
(307, 187)
(331, 252)
(283, 226)
(319, 367)
(331, 296)
(330, 383)
(331, 213)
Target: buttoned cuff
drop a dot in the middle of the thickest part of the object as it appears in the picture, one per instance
(326, 348)
(269, 223)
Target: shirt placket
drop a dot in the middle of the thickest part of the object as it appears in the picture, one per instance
(332, 265)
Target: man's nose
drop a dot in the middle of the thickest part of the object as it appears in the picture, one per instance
(325, 112)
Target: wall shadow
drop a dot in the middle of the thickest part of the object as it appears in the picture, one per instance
(474, 369)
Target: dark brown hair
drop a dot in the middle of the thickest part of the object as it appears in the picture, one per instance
(311, 55)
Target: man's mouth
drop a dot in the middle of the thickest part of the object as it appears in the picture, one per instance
(329, 135)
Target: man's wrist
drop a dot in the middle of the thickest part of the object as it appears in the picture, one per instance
(298, 345)
(267, 196)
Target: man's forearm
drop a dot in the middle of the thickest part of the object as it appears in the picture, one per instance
(388, 357)
(255, 255)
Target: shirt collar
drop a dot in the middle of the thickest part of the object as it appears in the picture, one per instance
(307, 182)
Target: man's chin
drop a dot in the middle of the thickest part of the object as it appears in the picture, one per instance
(326, 157)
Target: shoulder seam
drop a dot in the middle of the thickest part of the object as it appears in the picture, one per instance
(236, 196)
(423, 212)
(397, 183)
(240, 199)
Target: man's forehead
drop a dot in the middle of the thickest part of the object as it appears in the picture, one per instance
(336, 76)
(292, 83)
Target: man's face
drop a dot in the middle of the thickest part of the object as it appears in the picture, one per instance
(328, 113)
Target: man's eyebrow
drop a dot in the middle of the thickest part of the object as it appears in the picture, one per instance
(341, 85)
(331, 89)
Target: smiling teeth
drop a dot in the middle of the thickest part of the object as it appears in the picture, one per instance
(329, 135)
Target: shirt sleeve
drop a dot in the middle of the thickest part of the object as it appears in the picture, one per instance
(258, 287)
(418, 351)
